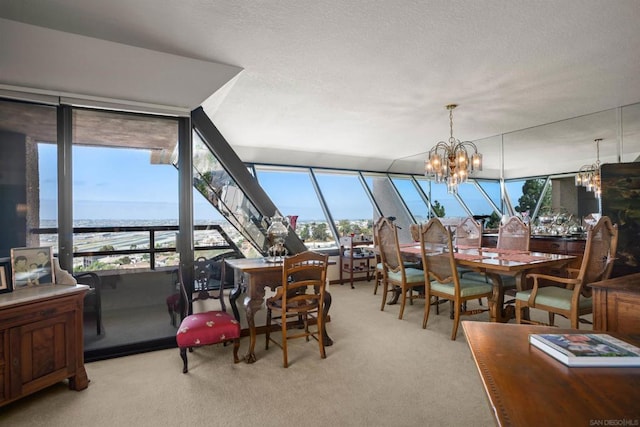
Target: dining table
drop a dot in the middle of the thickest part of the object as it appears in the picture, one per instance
(496, 262)
(253, 276)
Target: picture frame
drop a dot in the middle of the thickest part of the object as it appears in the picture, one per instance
(5, 275)
(32, 267)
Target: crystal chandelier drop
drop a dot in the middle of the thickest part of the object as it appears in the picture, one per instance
(589, 175)
(450, 161)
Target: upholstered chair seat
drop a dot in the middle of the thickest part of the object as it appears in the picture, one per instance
(209, 327)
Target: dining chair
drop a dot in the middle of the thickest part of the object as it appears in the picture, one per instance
(513, 235)
(468, 234)
(571, 296)
(299, 300)
(395, 272)
(442, 277)
(205, 328)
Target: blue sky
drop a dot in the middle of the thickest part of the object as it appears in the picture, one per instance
(122, 184)
(114, 184)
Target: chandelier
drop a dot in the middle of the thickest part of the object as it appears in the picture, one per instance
(450, 162)
(589, 175)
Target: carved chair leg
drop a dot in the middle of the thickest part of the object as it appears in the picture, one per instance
(384, 294)
(519, 309)
(268, 329)
(236, 347)
(402, 304)
(183, 355)
(456, 319)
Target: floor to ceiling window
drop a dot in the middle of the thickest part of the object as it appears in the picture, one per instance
(292, 191)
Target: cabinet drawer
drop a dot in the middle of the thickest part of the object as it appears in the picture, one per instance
(576, 247)
(548, 246)
(36, 312)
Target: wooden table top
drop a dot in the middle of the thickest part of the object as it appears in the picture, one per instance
(254, 264)
(526, 386)
(500, 260)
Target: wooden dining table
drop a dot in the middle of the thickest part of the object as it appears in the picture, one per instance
(254, 276)
(497, 262)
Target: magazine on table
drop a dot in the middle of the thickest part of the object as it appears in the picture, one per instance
(587, 350)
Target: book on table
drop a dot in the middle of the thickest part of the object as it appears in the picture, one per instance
(587, 350)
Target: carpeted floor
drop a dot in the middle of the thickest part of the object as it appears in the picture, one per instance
(381, 371)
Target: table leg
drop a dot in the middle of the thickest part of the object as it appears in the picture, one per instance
(252, 303)
(325, 312)
(496, 304)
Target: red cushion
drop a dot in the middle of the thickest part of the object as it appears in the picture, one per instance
(210, 327)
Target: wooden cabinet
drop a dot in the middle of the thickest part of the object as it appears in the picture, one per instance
(616, 304)
(357, 260)
(41, 340)
(559, 245)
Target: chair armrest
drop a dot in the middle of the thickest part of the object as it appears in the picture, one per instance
(539, 276)
(569, 284)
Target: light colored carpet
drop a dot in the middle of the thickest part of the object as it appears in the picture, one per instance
(381, 371)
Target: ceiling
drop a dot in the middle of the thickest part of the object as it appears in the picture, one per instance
(364, 84)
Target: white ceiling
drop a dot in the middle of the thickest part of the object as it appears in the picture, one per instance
(363, 84)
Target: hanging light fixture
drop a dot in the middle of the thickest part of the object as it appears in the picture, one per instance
(450, 162)
(589, 175)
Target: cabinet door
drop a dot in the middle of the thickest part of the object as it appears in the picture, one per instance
(42, 353)
(4, 367)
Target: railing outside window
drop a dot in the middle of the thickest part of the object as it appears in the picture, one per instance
(133, 245)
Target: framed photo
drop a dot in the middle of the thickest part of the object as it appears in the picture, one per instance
(32, 267)
(5, 275)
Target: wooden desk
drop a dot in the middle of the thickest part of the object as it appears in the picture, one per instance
(41, 340)
(494, 262)
(254, 275)
(527, 387)
(616, 304)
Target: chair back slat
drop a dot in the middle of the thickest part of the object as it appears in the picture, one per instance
(387, 234)
(304, 279)
(469, 233)
(209, 279)
(514, 235)
(437, 252)
(599, 253)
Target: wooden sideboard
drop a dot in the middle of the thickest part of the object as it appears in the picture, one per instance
(548, 244)
(616, 304)
(41, 340)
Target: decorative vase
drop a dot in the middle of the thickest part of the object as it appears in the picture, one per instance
(277, 233)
